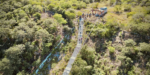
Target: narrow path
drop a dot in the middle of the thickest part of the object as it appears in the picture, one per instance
(76, 50)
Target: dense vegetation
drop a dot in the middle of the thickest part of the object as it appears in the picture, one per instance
(108, 56)
(26, 38)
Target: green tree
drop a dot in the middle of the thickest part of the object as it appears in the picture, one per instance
(5, 65)
(88, 54)
(111, 50)
(60, 19)
(22, 32)
(145, 47)
(31, 24)
(37, 16)
(130, 43)
(138, 17)
(14, 54)
(80, 67)
(18, 4)
(44, 35)
(67, 29)
(70, 15)
(79, 13)
(51, 7)
(118, 9)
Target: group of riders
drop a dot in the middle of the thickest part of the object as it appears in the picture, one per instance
(87, 15)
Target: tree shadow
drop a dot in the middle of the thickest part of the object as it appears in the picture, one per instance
(112, 57)
(100, 46)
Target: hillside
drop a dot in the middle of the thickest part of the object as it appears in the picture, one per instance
(40, 36)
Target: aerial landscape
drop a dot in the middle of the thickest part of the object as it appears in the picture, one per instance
(74, 37)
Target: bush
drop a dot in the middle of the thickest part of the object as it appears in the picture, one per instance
(70, 15)
(54, 64)
(51, 7)
(66, 58)
(66, 29)
(147, 10)
(118, 9)
(138, 17)
(31, 24)
(37, 8)
(66, 5)
(114, 72)
(111, 49)
(37, 16)
(130, 14)
(60, 19)
(25, 2)
(17, 4)
(80, 67)
(147, 18)
(21, 13)
(130, 43)
(130, 73)
(79, 13)
(112, 2)
(80, 5)
(127, 8)
(86, 1)
(148, 4)
(88, 54)
(145, 47)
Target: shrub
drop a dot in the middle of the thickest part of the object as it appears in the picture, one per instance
(70, 15)
(60, 19)
(31, 24)
(54, 64)
(130, 43)
(112, 1)
(66, 5)
(17, 4)
(66, 29)
(121, 57)
(111, 49)
(80, 67)
(25, 2)
(130, 73)
(130, 14)
(147, 18)
(117, 47)
(118, 9)
(21, 13)
(79, 13)
(80, 5)
(37, 16)
(147, 10)
(37, 8)
(148, 4)
(138, 17)
(51, 7)
(88, 54)
(86, 1)
(145, 47)
(127, 8)
(114, 72)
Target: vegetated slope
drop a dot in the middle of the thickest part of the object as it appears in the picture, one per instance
(26, 38)
(120, 45)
